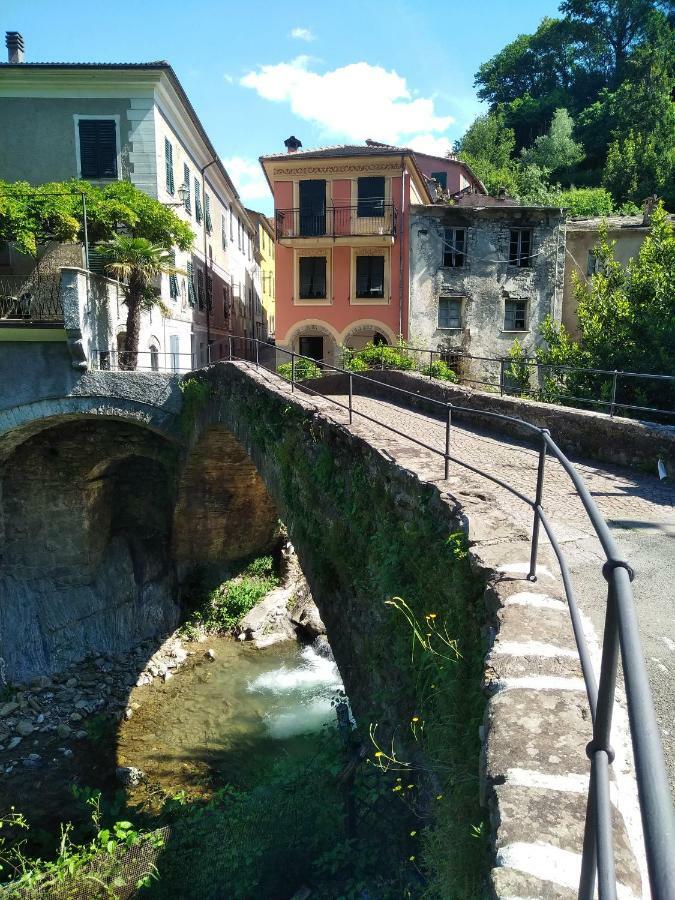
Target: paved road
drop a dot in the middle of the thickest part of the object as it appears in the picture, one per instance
(639, 509)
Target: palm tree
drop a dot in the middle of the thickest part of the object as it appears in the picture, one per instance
(136, 262)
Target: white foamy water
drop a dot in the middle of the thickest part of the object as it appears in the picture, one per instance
(307, 689)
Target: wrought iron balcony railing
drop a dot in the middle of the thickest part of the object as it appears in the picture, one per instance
(373, 218)
(29, 299)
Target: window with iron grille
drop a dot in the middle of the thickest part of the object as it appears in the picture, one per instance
(520, 247)
(190, 283)
(370, 276)
(168, 161)
(370, 197)
(312, 277)
(515, 315)
(207, 214)
(98, 148)
(449, 312)
(454, 247)
(198, 202)
(186, 185)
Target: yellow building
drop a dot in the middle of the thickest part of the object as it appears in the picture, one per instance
(264, 254)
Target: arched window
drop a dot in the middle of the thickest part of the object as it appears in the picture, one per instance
(154, 358)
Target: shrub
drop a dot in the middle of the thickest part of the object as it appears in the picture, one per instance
(304, 369)
(355, 364)
(376, 356)
(440, 369)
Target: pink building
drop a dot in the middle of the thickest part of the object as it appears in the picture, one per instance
(342, 229)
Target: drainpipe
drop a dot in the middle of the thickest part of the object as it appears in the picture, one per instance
(400, 251)
(206, 262)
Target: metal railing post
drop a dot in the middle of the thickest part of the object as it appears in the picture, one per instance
(431, 364)
(230, 341)
(351, 395)
(612, 404)
(292, 370)
(448, 428)
(502, 364)
(257, 354)
(382, 356)
(532, 574)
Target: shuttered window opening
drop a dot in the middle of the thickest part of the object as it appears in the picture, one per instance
(200, 288)
(207, 211)
(168, 160)
(370, 276)
(98, 148)
(190, 284)
(209, 292)
(223, 230)
(186, 185)
(198, 203)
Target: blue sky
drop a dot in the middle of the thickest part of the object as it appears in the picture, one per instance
(328, 73)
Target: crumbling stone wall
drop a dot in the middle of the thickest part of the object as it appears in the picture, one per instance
(486, 280)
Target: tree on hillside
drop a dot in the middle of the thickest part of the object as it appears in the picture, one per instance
(556, 150)
(488, 146)
(136, 263)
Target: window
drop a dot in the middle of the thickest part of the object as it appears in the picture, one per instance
(520, 243)
(223, 230)
(312, 197)
(441, 178)
(238, 234)
(173, 279)
(227, 305)
(593, 264)
(370, 197)
(198, 202)
(449, 312)
(209, 292)
(186, 185)
(515, 315)
(207, 213)
(200, 288)
(312, 277)
(454, 247)
(370, 276)
(154, 358)
(174, 347)
(312, 347)
(168, 162)
(98, 148)
(231, 225)
(190, 283)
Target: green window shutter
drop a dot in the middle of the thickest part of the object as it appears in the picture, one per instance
(190, 284)
(98, 148)
(186, 185)
(168, 158)
(207, 211)
(198, 202)
(209, 292)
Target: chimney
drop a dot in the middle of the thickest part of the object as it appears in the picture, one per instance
(501, 194)
(14, 43)
(292, 143)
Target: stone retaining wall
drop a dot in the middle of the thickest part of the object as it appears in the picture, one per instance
(577, 432)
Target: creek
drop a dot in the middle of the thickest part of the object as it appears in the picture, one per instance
(227, 718)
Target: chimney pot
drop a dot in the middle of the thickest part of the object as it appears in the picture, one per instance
(292, 143)
(14, 42)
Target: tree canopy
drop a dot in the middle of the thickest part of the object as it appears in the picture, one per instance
(33, 215)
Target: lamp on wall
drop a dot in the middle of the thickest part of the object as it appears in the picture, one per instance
(183, 194)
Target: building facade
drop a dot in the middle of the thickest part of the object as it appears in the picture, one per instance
(264, 250)
(135, 122)
(341, 230)
(484, 275)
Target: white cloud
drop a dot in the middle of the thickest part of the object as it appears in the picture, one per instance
(431, 144)
(248, 178)
(352, 102)
(303, 34)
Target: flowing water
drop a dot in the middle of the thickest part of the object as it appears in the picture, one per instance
(223, 720)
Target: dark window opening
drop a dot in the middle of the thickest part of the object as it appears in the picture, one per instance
(98, 148)
(520, 244)
(441, 178)
(370, 276)
(454, 247)
(312, 277)
(312, 347)
(449, 312)
(379, 340)
(515, 315)
(370, 197)
(312, 193)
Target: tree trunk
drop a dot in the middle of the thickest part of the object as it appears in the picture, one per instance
(130, 352)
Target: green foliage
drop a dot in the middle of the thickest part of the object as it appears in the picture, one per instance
(94, 869)
(590, 201)
(100, 728)
(304, 369)
(353, 363)
(518, 372)
(32, 215)
(440, 369)
(382, 356)
(556, 150)
(225, 606)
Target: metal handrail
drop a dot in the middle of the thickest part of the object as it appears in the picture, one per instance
(621, 636)
(500, 380)
(371, 218)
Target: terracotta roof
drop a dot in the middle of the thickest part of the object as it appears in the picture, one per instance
(341, 150)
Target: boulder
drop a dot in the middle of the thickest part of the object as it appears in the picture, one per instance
(129, 776)
(306, 616)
